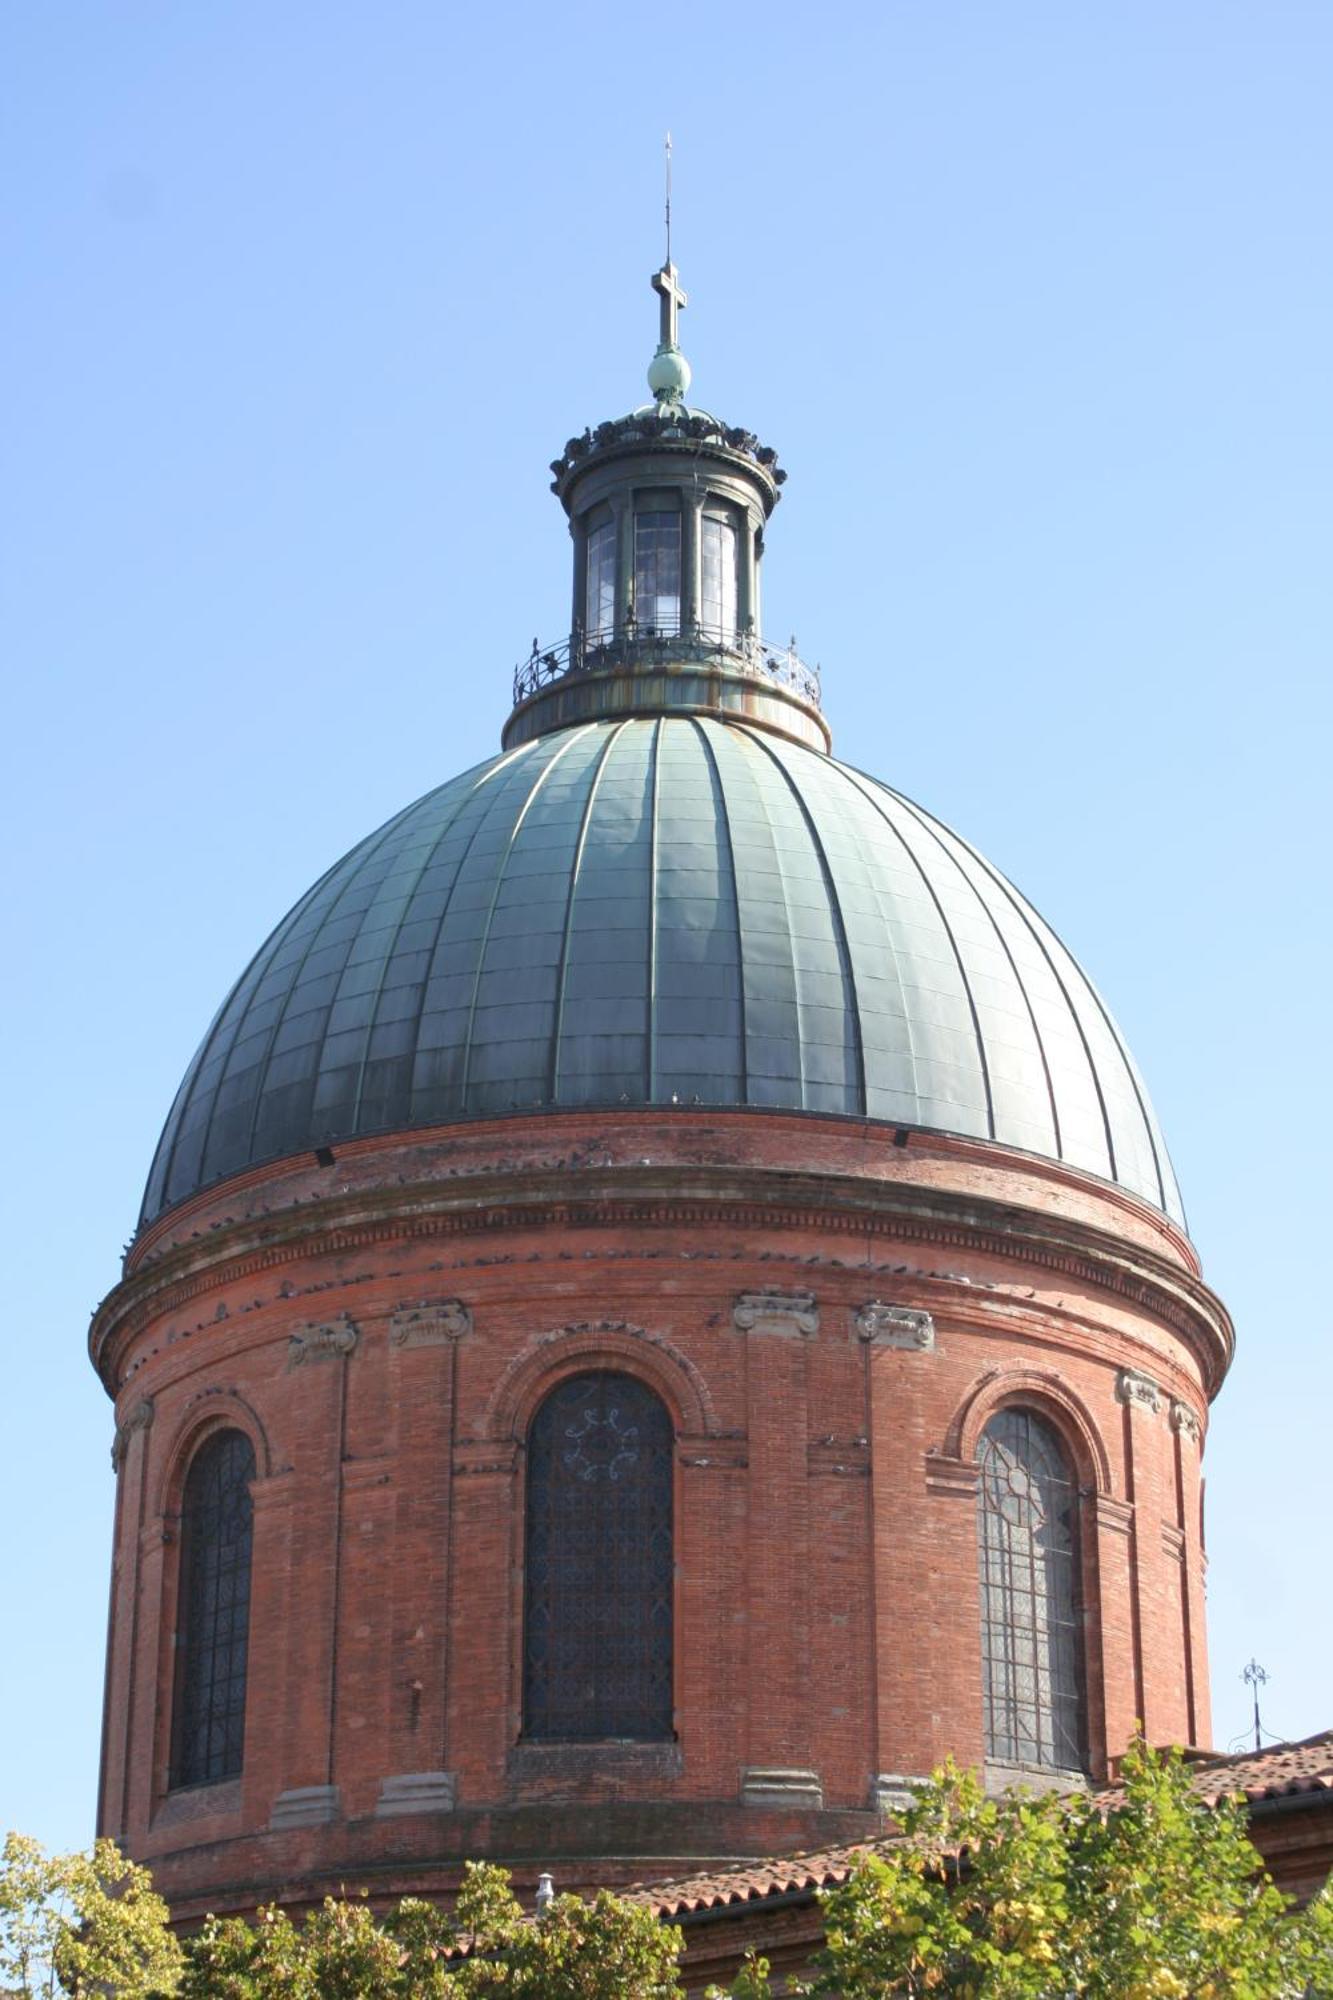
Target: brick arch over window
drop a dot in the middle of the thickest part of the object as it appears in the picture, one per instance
(204, 1415)
(594, 1344)
(598, 1562)
(213, 1611)
(1049, 1395)
(1029, 1561)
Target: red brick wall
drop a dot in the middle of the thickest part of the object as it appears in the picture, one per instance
(826, 1594)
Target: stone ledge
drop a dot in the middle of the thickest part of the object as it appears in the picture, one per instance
(891, 1793)
(770, 1785)
(417, 1792)
(308, 1805)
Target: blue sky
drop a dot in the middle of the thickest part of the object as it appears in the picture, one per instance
(1037, 305)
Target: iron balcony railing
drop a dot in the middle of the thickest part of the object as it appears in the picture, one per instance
(626, 651)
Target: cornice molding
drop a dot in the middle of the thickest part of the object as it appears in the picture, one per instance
(691, 1198)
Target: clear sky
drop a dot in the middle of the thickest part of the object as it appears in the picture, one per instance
(1036, 302)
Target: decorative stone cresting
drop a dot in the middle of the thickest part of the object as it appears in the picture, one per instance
(322, 1343)
(895, 1326)
(309, 1805)
(416, 1792)
(1186, 1421)
(139, 1418)
(770, 1786)
(777, 1312)
(1135, 1389)
(430, 1324)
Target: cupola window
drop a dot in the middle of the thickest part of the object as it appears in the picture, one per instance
(1027, 1532)
(597, 1644)
(600, 598)
(213, 1614)
(657, 571)
(717, 597)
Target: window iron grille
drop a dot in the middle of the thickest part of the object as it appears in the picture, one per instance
(213, 1618)
(1028, 1546)
(597, 1647)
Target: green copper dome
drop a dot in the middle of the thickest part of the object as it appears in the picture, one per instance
(670, 909)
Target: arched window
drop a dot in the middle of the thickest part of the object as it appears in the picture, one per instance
(598, 1563)
(213, 1614)
(1027, 1532)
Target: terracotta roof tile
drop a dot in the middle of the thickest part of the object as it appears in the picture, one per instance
(1280, 1770)
(751, 1882)
(1284, 1769)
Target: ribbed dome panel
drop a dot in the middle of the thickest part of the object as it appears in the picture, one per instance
(662, 910)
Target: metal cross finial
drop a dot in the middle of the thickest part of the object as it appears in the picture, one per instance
(666, 283)
(1255, 1677)
(668, 200)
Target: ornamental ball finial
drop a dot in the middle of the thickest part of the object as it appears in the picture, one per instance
(669, 375)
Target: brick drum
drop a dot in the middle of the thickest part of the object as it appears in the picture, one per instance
(831, 1309)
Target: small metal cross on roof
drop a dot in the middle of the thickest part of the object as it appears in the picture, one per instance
(666, 283)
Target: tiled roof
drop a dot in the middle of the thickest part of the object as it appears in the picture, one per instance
(1278, 1772)
(753, 1882)
(1283, 1770)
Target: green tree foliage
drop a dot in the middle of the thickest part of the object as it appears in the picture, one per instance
(81, 1924)
(1058, 1898)
(486, 1946)
(1157, 1897)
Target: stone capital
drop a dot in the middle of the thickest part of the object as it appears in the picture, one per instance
(139, 1419)
(787, 1313)
(432, 1323)
(895, 1326)
(1186, 1421)
(326, 1342)
(1138, 1391)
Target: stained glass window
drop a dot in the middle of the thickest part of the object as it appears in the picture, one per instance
(1027, 1531)
(657, 572)
(213, 1617)
(598, 1563)
(718, 593)
(600, 606)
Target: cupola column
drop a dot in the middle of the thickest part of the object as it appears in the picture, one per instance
(747, 583)
(691, 560)
(624, 519)
(578, 615)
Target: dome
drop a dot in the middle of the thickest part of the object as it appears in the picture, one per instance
(669, 909)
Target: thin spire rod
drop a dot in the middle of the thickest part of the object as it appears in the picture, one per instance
(668, 198)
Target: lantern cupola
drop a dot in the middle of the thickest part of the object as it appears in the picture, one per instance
(667, 510)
